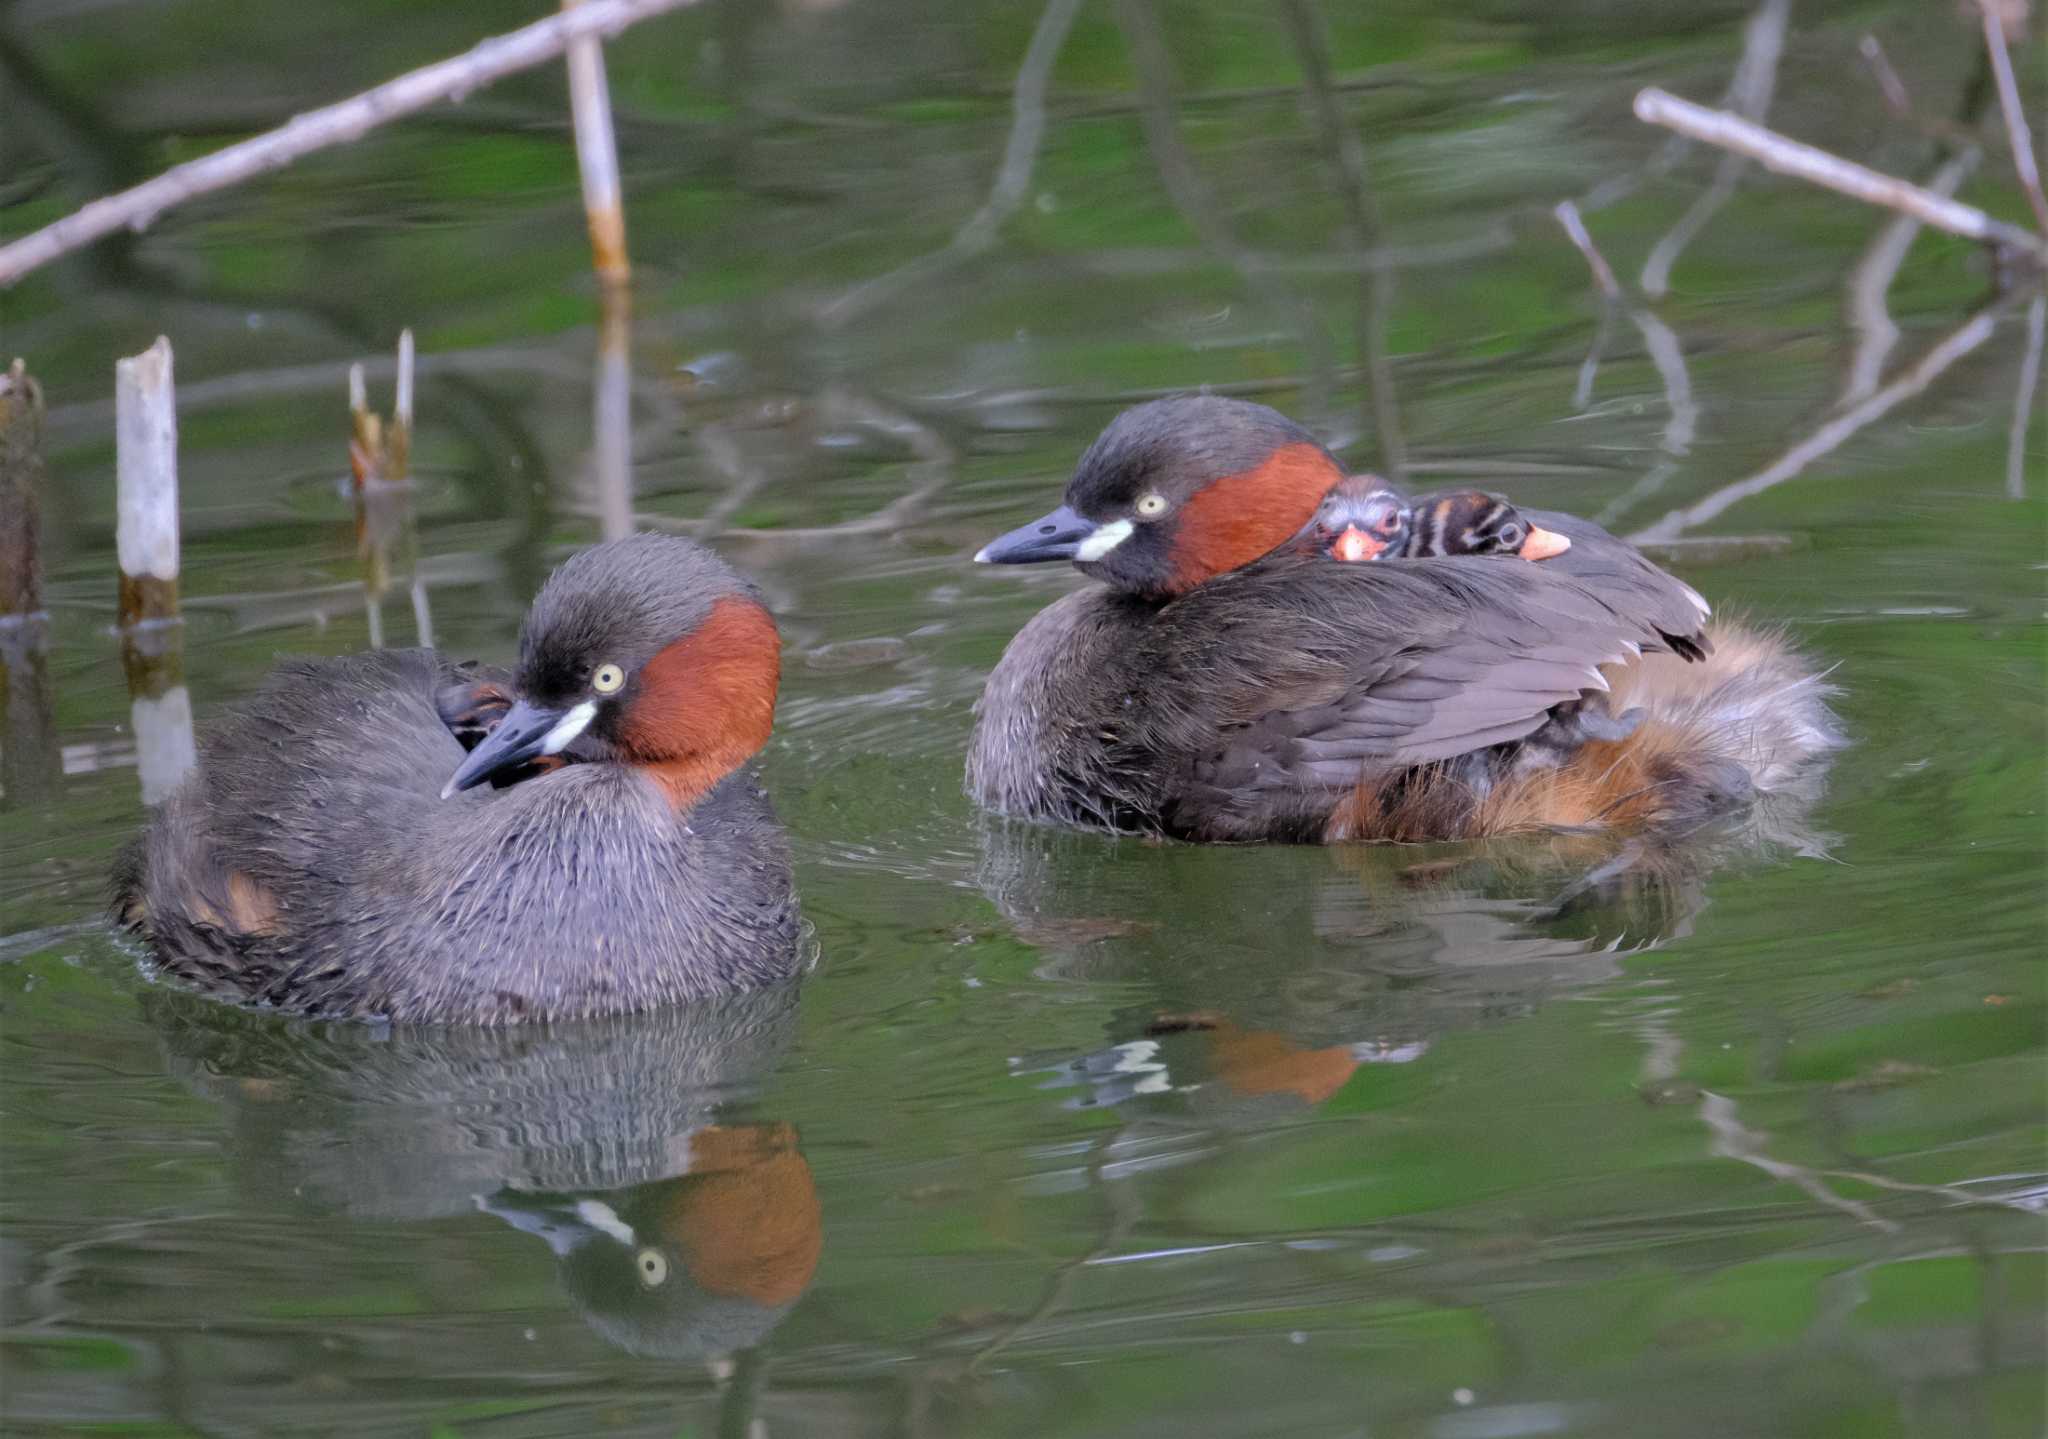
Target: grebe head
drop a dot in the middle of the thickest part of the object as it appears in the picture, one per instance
(648, 651)
(1359, 520)
(1178, 491)
(1472, 523)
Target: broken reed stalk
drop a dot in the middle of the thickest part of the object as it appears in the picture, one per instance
(451, 79)
(21, 495)
(30, 760)
(380, 466)
(366, 433)
(1805, 162)
(398, 440)
(146, 472)
(146, 540)
(597, 157)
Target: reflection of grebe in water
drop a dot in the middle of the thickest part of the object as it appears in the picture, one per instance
(675, 1232)
(1274, 976)
(701, 1265)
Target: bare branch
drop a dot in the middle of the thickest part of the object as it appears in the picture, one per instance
(1805, 162)
(490, 60)
(2015, 121)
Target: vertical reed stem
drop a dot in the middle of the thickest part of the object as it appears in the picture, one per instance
(146, 466)
(146, 539)
(21, 494)
(597, 155)
(30, 762)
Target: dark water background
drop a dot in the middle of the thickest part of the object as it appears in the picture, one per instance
(1064, 1135)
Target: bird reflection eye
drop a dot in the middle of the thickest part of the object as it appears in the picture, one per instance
(1511, 534)
(652, 1266)
(1151, 507)
(607, 679)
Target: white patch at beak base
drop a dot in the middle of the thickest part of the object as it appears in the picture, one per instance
(568, 727)
(603, 1218)
(1105, 539)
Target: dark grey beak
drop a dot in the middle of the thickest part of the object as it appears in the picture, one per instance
(527, 732)
(1056, 536)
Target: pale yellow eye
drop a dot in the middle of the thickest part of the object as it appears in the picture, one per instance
(607, 679)
(1151, 506)
(652, 1266)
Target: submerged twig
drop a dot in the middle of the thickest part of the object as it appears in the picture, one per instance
(1013, 177)
(1665, 352)
(1806, 162)
(350, 119)
(1949, 349)
(1734, 1140)
(1146, 43)
(1763, 41)
(2015, 120)
(1376, 289)
(2023, 402)
(1574, 226)
(1889, 84)
(1575, 230)
(1870, 282)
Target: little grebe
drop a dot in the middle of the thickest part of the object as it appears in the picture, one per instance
(322, 859)
(1220, 684)
(1361, 519)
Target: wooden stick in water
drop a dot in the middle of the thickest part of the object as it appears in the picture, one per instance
(1789, 157)
(146, 469)
(597, 157)
(450, 79)
(30, 760)
(21, 494)
(146, 539)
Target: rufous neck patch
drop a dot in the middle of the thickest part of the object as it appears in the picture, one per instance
(1231, 522)
(706, 703)
(746, 1217)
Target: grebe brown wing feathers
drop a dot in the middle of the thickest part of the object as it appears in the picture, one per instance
(1617, 571)
(1291, 677)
